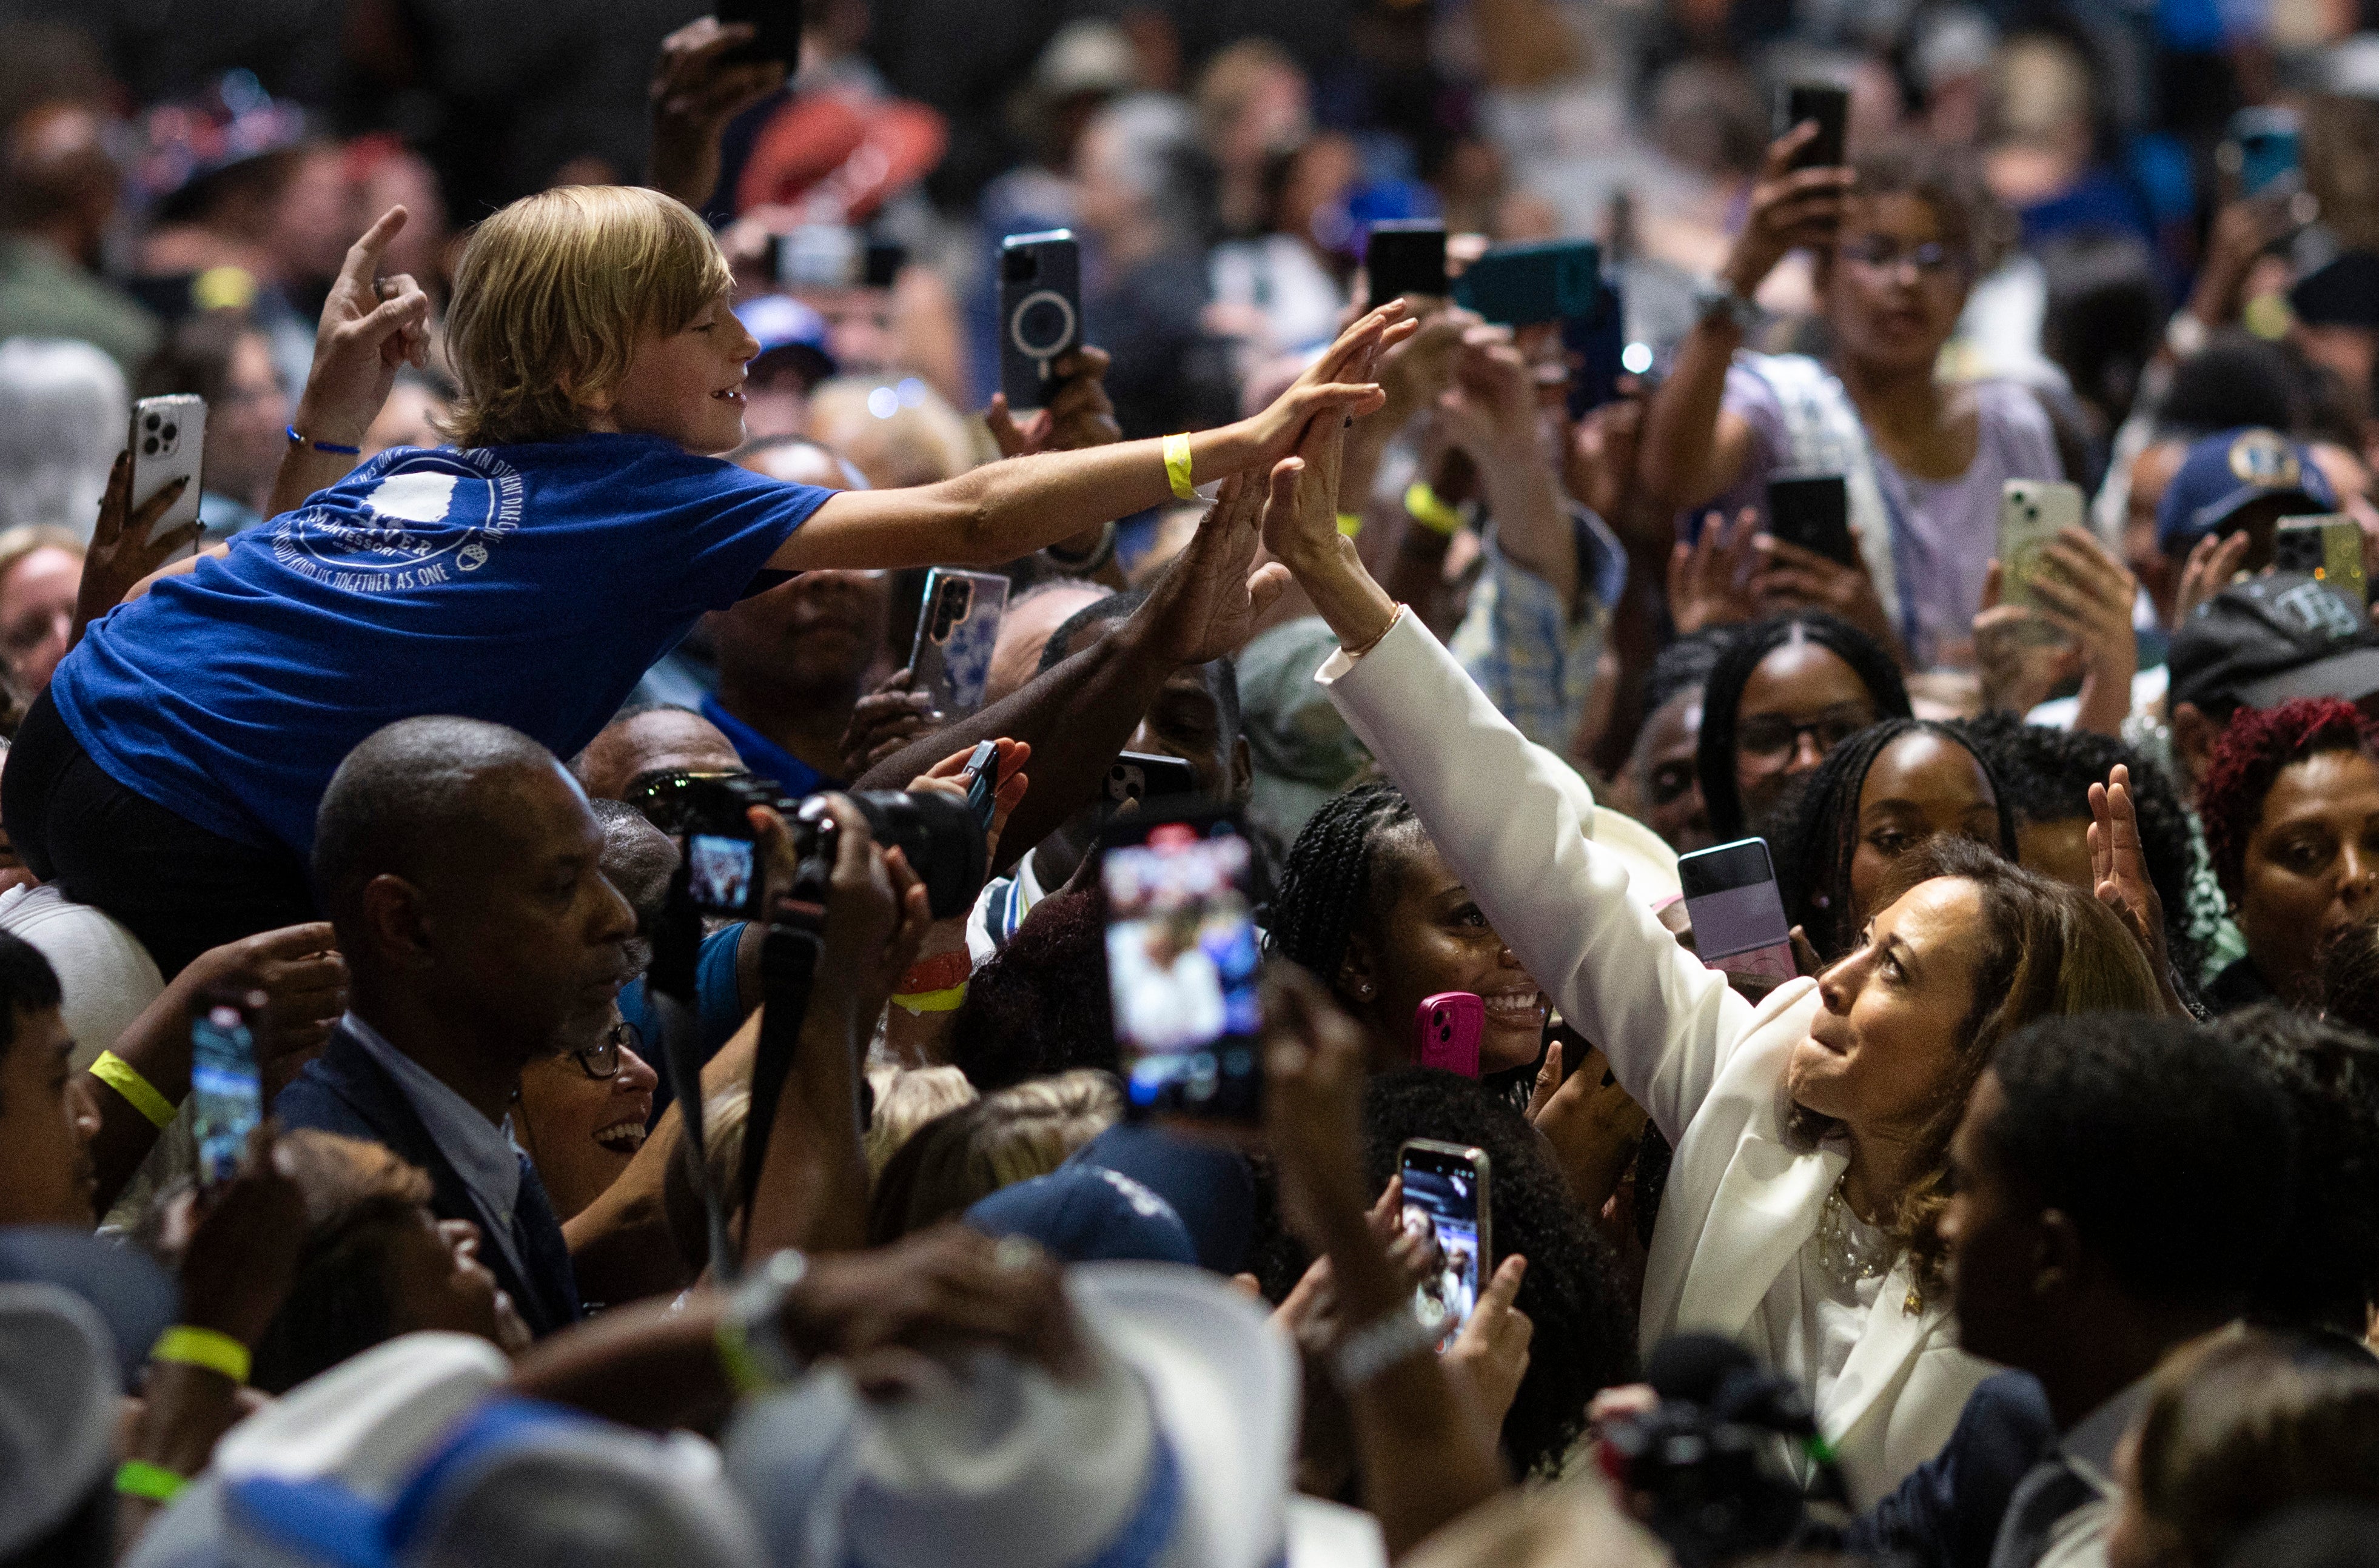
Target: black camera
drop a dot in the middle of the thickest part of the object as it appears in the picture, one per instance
(1707, 1466)
(942, 840)
(950, 606)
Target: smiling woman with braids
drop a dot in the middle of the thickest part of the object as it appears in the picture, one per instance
(1801, 1212)
(1367, 905)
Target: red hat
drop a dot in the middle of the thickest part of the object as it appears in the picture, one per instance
(839, 157)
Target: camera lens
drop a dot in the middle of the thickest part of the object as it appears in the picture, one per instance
(153, 421)
(149, 447)
(1020, 265)
(943, 841)
(958, 597)
(172, 432)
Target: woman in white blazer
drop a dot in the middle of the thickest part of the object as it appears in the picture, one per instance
(1810, 1131)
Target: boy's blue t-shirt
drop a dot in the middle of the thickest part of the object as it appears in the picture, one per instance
(528, 585)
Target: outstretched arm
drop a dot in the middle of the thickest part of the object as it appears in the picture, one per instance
(1005, 509)
(370, 325)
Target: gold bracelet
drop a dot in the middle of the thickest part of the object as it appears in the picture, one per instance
(1176, 467)
(1354, 654)
(125, 1078)
(1423, 506)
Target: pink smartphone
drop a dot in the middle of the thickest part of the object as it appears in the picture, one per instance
(1448, 1026)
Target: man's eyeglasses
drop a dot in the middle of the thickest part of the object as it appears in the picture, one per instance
(1931, 260)
(665, 796)
(601, 1060)
(1773, 737)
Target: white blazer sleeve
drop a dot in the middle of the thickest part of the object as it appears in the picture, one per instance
(1514, 836)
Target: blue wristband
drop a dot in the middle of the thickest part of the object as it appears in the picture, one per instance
(296, 440)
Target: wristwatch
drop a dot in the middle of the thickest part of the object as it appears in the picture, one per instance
(1713, 298)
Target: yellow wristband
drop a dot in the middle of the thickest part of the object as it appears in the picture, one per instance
(1176, 467)
(947, 1000)
(151, 1483)
(1350, 524)
(1423, 506)
(203, 1348)
(744, 1373)
(120, 1075)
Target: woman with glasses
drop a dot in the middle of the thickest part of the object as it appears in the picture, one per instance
(1897, 239)
(580, 1116)
(1786, 691)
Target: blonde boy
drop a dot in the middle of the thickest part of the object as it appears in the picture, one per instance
(527, 575)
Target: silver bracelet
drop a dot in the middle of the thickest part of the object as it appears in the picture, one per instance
(757, 1310)
(1380, 1344)
(1084, 565)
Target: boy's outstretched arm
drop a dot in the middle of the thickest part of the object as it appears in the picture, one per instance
(1005, 509)
(370, 325)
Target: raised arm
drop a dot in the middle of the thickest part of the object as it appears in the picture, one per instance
(370, 325)
(1004, 510)
(1494, 805)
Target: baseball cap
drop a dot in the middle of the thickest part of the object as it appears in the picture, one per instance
(2264, 641)
(1208, 1187)
(2233, 469)
(787, 326)
(1085, 1214)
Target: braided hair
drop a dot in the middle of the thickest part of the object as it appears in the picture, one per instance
(1327, 886)
(1816, 834)
(1714, 756)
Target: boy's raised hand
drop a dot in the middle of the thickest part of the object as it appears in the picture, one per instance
(370, 325)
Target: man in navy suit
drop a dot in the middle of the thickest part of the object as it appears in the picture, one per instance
(459, 863)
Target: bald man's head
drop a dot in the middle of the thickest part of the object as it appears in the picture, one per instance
(658, 738)
(462, 868)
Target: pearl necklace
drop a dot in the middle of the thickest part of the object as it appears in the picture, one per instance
(1849, 1253)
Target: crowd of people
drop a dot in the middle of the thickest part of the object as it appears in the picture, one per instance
(537, 1025)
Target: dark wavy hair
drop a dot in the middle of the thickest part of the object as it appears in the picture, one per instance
(1714, 756)
(1584, 1337)
(2255, 746)
(1815, 832)
(1330, 886)
(2325, 1273)
(2047, 949)
(1041, 1005)
(2045, 774)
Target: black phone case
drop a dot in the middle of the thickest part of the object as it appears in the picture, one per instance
(1831, 107)
(1404, 258)
(776, 30)
(1040, 313)
(1814, 515)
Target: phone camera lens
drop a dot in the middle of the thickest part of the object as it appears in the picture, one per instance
(153, 421)
(172, 432)
(149, 447)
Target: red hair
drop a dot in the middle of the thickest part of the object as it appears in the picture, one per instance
(2255, 747)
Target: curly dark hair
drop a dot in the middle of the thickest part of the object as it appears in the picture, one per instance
(2255, 746)
(1684, 664)
(1041, 1007)
(1584, 1323)
(2044, 775)
(1815, 832)
(2325, 1273)
(1714, 756)
(1328, 888)
(2047, 949)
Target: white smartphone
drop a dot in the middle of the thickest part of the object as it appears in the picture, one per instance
(2030, 514)
(169, 438)
(956, 628)
(1738, 915)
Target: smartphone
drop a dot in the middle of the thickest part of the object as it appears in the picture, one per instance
(1146, 776)
(1446, 1028)
(1738, 915)
(1521, 284)
(1597, 347)
(168, 439)
(1182, 955)
(2030, 514)
(2328, 550)
(815, 256)
(1831, 107)
(880, 265)
(226, 1091)
(1814, 512)
(956, 631)
(1405, 257)
(1040, 312)
(1445, 1188)
(2261, 149)
(775, 28)
(983, 795)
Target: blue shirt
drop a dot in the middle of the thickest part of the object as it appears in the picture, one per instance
(718, 1008)
(764, 757)
(528, 585)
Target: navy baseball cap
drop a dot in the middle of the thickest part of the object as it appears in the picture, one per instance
(786, 326)
(1087, 1214)
(1210, 1187)
(2227, 472)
